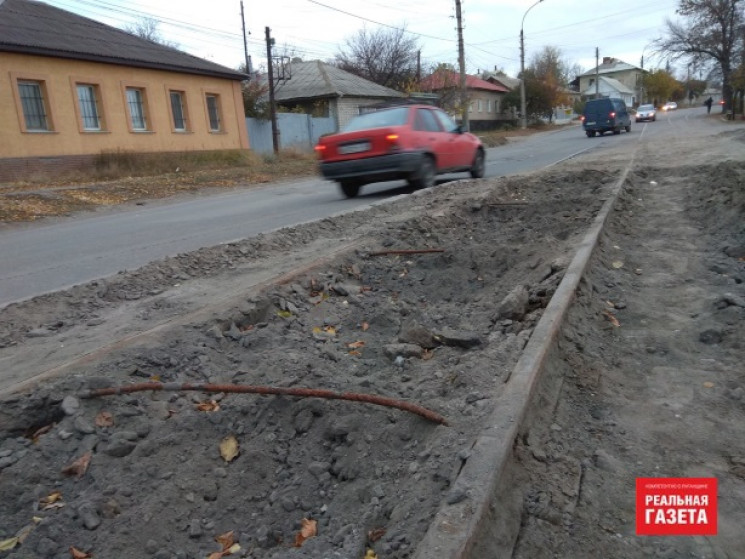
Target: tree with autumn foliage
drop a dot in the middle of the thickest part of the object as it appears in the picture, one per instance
(661, 86)
(546, 81)
(711, 31)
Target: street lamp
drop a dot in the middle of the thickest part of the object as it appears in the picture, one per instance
(522, 68)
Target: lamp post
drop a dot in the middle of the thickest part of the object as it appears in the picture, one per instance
(524, 123)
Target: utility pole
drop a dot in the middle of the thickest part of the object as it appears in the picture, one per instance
(249, 70)
(597, 73)
(462, 67)
(272, 104)
(523, 107)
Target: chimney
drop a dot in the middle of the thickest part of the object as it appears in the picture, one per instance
(607, 59)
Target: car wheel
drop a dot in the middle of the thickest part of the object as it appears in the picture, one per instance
(349, 188)
(590, 134)
(627, 128)
(479, 164)
(616, 131)
(425, 175)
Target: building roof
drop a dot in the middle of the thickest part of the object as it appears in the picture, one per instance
(316, 79)
(443, 79)
(501, 79)
(611, 65)
(31, 27)
(610, 85)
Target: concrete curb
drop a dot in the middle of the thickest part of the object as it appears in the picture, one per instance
(456, 528)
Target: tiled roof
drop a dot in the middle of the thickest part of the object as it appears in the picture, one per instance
(443, 79)
(32, 27)
(316, 79)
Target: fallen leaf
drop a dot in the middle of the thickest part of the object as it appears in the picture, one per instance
(617, 264)
(155, 378)
(355, 352)
(226, 540)
(708, 384)
(41, 431)
(104, 419)
(80, 466)
(365, 326)
(308, 529)
(611, 318)
(375, 535)
(208, 405)
(356, 345)
(77, 554)
(229, 448)
(24, 532)
(427, 354)
(330, 330)
(52, 501)
(284, 314)
(370, 555)
(7, 545)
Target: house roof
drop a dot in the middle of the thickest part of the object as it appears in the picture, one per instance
(611, 65)
(316, 79)
(447, 78)
(31, 27)
(501, 79)
(611, 84)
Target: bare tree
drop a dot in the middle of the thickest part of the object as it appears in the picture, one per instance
(386, 56)
(147, 28)
(710, 32)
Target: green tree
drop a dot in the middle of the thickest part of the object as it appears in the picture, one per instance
(386, 56)
(711, 31)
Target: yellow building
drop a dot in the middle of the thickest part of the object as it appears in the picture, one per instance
(72, 88)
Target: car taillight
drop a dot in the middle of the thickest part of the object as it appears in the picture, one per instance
(392, 140)
(582, 118)
(612, 114)
(320, 149)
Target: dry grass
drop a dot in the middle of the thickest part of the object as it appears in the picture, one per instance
(121, 177)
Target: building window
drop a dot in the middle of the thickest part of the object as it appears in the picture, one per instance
(34, 105)
(213, 112)
(178, 110)
(480, 107)
(88, 103)
(136, 105)
(488, 105)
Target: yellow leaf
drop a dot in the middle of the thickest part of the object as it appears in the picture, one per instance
(308, 529)
(370, 555)
(235, 548)
(7, 545)
(155, 378)
(365, 326)
(617, 264)
(284, 314)
(229, 448)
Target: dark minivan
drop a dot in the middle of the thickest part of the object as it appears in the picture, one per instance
(605, 115)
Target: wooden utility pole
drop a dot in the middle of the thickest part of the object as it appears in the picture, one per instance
(249, 70)
(462, 65)
(272, 104)
(597, 73)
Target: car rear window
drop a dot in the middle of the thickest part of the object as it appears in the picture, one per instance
(378, 119)
(646, 107)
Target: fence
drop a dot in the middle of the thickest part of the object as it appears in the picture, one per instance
(300, 131)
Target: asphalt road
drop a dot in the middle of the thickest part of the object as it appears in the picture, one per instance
(47, 257)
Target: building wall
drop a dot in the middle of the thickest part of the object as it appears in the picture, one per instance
(484, 105)
(67, 136)
(629, 78)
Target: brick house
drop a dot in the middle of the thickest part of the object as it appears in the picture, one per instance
(72, 89)
(323, 90)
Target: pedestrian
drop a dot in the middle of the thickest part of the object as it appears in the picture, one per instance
(708, 103)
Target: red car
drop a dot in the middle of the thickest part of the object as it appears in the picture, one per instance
(411, 142)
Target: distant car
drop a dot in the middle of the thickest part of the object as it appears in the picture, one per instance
(645, 112)
(670, 106)
(410, 142)
(605, 115)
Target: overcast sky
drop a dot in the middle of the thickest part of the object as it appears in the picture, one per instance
(317, 29)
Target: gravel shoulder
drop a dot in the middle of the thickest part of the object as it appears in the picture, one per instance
(660, 393)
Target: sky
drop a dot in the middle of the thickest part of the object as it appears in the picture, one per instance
(318, 29)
